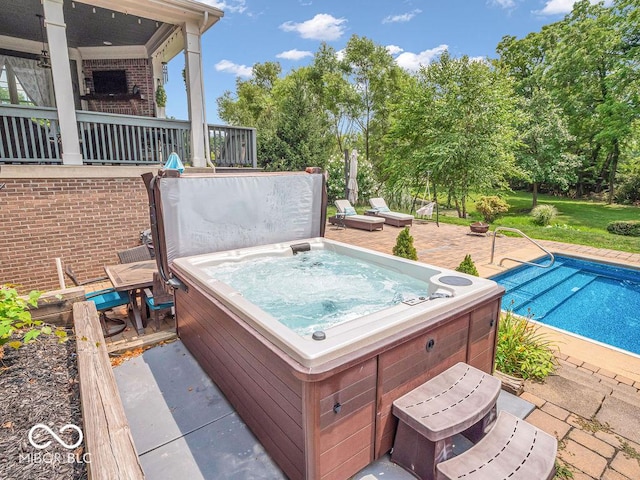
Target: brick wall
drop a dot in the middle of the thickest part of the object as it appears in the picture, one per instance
(139, 72)
(83, 215)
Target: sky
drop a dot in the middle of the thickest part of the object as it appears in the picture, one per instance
(290, 31)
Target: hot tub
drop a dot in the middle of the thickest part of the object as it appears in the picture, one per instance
(445, 291)
(320, 407)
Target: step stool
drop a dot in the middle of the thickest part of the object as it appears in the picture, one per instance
(462, 399)
(512, 450)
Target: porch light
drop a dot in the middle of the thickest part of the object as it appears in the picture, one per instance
(44, 61)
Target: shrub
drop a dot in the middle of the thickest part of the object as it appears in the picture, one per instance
(404, 245)
(15, 316)
(522, 351)
(490, 207)
(544, 214)
(628, 181)
(467, 266)
(630, 228)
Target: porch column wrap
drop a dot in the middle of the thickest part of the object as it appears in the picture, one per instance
(195, 94)
(58, 49)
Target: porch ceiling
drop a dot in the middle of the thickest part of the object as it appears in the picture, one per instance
(88, 29)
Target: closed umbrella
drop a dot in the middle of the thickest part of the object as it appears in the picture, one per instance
(352, 184)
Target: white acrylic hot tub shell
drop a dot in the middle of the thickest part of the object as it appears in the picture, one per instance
(348, 336)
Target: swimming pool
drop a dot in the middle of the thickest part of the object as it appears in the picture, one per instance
(594, 300)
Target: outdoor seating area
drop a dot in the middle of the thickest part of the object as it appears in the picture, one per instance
(349, 218)
(397, 219)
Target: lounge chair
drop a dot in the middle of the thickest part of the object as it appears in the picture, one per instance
(396, 219)
(349, 218)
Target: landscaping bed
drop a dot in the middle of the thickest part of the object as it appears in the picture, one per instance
(39, 385)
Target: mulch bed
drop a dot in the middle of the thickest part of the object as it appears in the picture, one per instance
(39, 385)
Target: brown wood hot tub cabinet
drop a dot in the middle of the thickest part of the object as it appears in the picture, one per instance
(331, 421)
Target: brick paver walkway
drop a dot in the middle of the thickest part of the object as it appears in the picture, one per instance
(592, 405)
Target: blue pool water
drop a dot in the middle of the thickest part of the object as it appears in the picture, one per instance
(591, 299)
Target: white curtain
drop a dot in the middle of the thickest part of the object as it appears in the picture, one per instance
(34, 80)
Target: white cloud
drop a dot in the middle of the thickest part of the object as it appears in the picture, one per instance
(405, 17)
(321, 27)
(561, 7)
(294, 54)
(227, 6)
(228, 66)
(504, 3)
(413, 61)
(478, 59)
(394, 49)
(340, 54)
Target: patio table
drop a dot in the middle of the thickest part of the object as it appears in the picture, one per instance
(133, 278)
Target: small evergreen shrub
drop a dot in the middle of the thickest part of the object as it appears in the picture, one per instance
(630, 228)
(522, 351)
(467, 266)
(404, 245)
(491, 206)
(543, 215)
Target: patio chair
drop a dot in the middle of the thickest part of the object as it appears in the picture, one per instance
(104, 299)
(353, 220)
(396, 219)
(135, 254)
(158, 298)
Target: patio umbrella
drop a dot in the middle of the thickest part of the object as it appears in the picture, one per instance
(352, 184)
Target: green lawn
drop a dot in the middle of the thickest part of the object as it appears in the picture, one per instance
(581, 222)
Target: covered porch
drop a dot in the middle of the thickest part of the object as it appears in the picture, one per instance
(82, 83)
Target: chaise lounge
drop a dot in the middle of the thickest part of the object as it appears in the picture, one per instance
(395, 219)
(347, 217)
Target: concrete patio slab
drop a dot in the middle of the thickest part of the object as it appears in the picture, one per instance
(167, 395)
(223, 449)
(183, 427)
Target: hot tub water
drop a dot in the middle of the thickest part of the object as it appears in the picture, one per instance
(317, 289)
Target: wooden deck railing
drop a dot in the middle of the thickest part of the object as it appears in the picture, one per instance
(31, 135)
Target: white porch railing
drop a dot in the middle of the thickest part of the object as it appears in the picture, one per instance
(31, 135)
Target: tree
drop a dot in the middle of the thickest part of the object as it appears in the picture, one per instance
(456, 120)
(337, 96)
(544, 156)
(302, 135)
(592, 81)
(373, 76)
